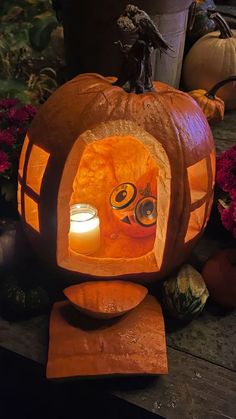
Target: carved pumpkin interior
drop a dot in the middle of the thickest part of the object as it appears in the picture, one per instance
(104, 165)
(98, 163)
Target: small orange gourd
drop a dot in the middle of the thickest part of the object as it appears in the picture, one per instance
(212, 106)
(105, 299)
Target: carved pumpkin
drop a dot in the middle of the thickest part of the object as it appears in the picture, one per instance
(90, 137)
(211, 59)
(212, 106)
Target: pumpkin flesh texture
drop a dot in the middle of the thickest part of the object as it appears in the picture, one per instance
(89, 103)
(103, 299)
(210, 60)
(101, 169)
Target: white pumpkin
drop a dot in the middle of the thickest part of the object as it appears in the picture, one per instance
(212, 59)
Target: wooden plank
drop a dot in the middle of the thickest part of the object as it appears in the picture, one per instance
(28, 338)
(211, 337)
(193, 389)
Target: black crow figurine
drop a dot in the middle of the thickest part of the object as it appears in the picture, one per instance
(136, 70)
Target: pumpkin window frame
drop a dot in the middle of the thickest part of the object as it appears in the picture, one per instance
(199, 209)
(28, 194)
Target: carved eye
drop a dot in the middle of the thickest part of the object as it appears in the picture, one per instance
(123, 195)
(146, 211)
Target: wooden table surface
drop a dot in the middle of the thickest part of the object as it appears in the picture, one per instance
(201, 383)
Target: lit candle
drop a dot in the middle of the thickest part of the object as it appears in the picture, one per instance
(84, 236)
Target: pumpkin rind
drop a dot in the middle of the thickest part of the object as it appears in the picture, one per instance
(185, 295)
(105, 299)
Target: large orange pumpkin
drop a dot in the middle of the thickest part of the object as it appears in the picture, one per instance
(90, 137)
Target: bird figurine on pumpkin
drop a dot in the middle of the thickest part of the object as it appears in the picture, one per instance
(137, 62)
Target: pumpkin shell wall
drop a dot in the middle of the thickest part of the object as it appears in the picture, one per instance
(90, 115)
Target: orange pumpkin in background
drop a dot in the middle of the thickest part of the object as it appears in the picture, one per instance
(89, 138)
(219, 273)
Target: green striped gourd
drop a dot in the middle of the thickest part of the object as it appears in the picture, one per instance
(185, 295)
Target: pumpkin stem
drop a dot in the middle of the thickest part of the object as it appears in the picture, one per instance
(136, 71)
(212, 92)
(225, 31)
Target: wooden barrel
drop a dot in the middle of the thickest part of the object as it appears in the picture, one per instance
(90, 32)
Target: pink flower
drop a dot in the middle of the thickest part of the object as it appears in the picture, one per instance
(12, 131)
(8, 103)
(4, 163)
(6, 138)
(20, 116)
(228, 217)
(226, 170)
(30, 110)
(17, 116)
(226, 181)
(233, 194)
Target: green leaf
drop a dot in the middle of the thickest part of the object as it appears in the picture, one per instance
(14, 89)
(41, 30)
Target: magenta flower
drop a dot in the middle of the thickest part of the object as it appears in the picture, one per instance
(6, 138)
(4, 163)
(20, 116)
(226, 170)
(17, 116)
(228, 217)
(226, 181)
(8, 103)
(14, 121)
(30, 110)
(12, 131)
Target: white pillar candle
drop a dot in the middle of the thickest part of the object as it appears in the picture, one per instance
(84, 236)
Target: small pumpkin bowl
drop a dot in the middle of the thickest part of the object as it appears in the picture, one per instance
(105, 299)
